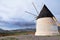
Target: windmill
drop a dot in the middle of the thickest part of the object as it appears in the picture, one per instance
(45, 22)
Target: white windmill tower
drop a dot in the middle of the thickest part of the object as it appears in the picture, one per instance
(45, 23)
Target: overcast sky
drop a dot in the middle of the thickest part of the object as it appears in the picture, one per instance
(15, 9)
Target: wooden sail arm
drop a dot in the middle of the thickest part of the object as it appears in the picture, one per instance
(35, 7)
(31, 13)
(56, 21)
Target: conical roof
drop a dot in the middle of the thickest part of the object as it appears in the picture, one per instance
(45, 12)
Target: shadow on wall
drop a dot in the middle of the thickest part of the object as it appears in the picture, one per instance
(59, 29)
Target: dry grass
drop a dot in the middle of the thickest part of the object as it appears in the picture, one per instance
(30, 37)
(9, 38)
(17, 33)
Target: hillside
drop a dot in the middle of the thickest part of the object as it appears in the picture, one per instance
(16, 32)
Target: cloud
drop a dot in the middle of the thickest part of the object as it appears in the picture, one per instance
(16, 24)
(11, 11)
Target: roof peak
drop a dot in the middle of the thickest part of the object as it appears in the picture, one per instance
(45, 12)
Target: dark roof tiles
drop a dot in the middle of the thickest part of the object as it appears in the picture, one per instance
(45, 12)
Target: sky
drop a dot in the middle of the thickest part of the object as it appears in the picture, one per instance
(12, 12)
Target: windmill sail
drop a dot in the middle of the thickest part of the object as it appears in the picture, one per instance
(35, 7)
(30, 13)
